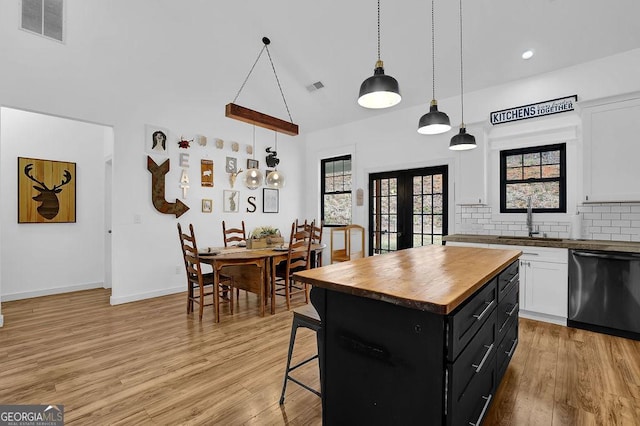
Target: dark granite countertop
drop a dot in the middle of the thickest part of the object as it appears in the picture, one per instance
(621, 246)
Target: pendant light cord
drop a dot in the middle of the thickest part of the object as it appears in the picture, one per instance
(266, 41)
(461, 72)
(433, 53)
(378, 30)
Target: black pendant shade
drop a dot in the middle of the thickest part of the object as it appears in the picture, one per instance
(434, 122)
(462, 141)
(379, 90)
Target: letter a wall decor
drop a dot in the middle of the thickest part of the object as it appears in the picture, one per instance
(46, 191)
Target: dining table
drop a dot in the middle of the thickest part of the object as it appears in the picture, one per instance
(252, 269)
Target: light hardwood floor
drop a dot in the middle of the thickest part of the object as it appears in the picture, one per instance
(149, 363)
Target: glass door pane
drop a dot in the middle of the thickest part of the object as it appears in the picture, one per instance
(384, 204)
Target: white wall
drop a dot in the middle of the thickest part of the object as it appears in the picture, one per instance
(47, 258)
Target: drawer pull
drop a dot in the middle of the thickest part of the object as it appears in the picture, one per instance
(478, 367)
(513, 348)
(515, 308)
(515, 277)
(530, 254)
(484, 410)
(484, 312)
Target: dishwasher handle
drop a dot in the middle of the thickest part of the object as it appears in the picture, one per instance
(605, 255)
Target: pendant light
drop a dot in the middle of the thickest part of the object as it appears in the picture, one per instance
(275, 179)
(434, 122)
(253, 176)
(379, 90)
(463, 140)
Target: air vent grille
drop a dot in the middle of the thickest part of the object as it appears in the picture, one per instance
(44, 17)
(315, 86)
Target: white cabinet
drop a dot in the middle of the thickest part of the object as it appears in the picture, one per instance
(544, 282)
(611, 149)
(471, 180)
(543, 287)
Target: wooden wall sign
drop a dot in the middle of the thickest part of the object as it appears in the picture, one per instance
(206, 173)
(53, 197)
(158, 190)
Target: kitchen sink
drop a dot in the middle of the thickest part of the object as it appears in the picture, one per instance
(509, 237)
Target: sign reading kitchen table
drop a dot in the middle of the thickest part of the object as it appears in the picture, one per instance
(554, 106)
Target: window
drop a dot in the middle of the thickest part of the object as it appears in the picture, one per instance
(336, 190)
(537, 172)
(44, 17)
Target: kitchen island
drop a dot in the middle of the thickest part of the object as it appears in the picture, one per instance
(419, 336)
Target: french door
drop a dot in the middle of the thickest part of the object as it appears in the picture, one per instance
(407, 208)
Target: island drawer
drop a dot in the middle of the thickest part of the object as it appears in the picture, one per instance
(507, 279)
(506, 349)
(474, 360)
(466, 322)
(508, 309)
(472, 406)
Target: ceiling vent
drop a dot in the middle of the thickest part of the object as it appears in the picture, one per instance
(315, 86)
(44, 17)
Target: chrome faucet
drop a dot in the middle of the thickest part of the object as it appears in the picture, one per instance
(530, 226)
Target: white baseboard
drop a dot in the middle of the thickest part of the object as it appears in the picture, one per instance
(1, 320)
(543, 317)
(48, 291)
(142, 296)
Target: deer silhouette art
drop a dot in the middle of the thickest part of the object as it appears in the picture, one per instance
(48, 198)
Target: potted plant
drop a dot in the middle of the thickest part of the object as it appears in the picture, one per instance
(265, 236)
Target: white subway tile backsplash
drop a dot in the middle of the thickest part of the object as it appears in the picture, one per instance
(604, 221)
(621, 209)
(611, 216)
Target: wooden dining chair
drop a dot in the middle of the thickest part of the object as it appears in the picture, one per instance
(233, 236)
(200, 285)
(316, 238)
(302, 226)
(298, 259)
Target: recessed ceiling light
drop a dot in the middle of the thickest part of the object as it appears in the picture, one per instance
(527, 54)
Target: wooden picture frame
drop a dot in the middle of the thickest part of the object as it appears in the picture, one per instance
(231, 201)
(53, 197)
(206, 173)
(270, 200)
(207, 205)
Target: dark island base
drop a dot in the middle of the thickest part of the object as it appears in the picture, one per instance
(385, 364)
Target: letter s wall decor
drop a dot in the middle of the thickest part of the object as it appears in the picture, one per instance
(46, 191)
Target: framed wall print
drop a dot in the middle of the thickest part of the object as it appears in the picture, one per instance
(231, 201)
(156, 140)
(46, 191)
(207, 205)
(269, 200)
(252, 164)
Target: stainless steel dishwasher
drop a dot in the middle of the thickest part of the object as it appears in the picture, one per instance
(604, 292)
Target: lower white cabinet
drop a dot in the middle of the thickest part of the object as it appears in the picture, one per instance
(543, 287)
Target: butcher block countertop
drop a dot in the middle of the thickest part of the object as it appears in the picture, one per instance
(604, 245)
(431, 278)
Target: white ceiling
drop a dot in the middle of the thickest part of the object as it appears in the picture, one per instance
(204, 49)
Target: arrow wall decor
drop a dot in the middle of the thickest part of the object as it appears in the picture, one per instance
(157, 190)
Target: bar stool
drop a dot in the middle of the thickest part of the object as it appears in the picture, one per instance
(304, 316)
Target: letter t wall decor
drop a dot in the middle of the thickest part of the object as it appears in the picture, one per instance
(46, 191)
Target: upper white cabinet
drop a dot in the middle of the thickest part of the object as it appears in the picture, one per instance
(471, 179)
(612, 149)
